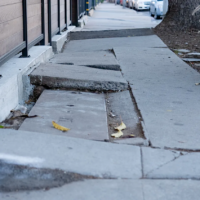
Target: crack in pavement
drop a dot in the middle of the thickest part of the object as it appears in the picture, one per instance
(175, 158)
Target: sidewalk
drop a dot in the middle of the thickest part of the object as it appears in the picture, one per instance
(98, 81)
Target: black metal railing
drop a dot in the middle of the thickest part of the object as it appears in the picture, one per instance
(46, 24)
(49, 25)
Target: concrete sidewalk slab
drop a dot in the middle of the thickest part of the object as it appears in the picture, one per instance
(85, 157)
(109, 16)
(166, 95)
(115, 189)
(166, 164)
(77, 77)
(100, 59)
(84, 113)
(110, 43)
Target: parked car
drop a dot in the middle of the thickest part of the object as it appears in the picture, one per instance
(142, 4)
(131, 3)
(121, 2)
(156, 8)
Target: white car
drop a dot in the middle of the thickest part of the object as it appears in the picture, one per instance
(156, 8)
(142, 4)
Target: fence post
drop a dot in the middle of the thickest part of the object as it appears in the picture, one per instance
(49, 23)
(43, 21)
(59, 32)
(66, 13)
(25, 28)
(87, 7)
(75, 12)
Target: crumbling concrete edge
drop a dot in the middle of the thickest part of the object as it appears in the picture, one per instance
(83, 21)
(147, 141)
(58, 41)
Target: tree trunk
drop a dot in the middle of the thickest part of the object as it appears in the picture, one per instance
(183, 15)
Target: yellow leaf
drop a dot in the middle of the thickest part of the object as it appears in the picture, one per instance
(117, 135)
(120, 127)
(61, 128)
(131, 135)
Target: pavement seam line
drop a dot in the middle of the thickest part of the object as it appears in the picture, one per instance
(175, 158)
(142, 164)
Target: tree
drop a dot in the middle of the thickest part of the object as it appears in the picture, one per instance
(182, 15)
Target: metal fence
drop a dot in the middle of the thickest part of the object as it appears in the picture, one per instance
(25, 23)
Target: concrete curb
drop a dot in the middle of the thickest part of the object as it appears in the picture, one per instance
(11, 83)
(59, 40)
(83, 21)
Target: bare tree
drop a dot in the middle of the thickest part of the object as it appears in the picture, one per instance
(182, 15)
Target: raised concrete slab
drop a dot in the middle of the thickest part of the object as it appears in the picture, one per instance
(83, 35)
(109, 43)
(100, 159)
(165, 164)
(166, 95)
(97, 59)
(11, 82)
(115, 189)
(77, 77)
(84, 113)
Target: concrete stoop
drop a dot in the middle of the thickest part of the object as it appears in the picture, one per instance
(77, 77)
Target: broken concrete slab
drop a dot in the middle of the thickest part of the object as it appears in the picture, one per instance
(166, 96)
(77, 77)
(121, 107)
(115, 189)
(167, 164)
(100, 159)
(109, 43)
(182, 50)
(191, 59)
(84, 113)
(131, 141)
(98, 59)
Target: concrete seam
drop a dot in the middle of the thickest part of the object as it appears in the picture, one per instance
(141, 159)
(175, 158)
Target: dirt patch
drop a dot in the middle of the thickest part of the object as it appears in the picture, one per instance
(176, 39)
(20, 178)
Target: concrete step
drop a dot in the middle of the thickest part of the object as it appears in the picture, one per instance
(96, 59)
(110, 33)
(77, 77)
(115, 189)
(84, 113)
